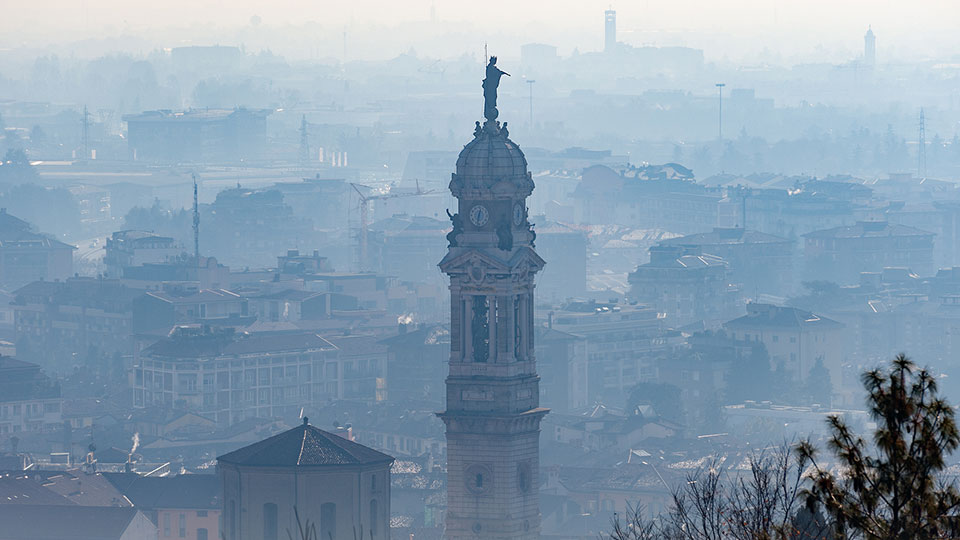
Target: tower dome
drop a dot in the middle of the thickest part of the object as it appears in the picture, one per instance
(489, 159)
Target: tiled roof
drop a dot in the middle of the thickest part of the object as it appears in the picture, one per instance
(765, 315)
(185, 491)
(305, 446)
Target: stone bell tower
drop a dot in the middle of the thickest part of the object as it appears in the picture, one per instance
(493, 414)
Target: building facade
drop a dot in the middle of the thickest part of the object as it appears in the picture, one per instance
(685, 285)
(840, 254)
(340, 487)
(29, 400)
(230, 377)
(492, 413)
(796, 340)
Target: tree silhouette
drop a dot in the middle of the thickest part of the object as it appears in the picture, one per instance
(894, 487)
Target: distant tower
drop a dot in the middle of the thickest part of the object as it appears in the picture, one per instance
(870, 48)
(609, 30)
(493, 408)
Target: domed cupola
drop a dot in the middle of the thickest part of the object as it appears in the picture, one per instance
(491, 158)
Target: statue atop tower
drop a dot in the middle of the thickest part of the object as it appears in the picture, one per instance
(493, 408)
(490, 84)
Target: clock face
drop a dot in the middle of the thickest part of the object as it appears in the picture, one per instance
(479, 215)
(518, 212)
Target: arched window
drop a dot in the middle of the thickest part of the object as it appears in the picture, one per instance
(269, 521)
(328, 521)
(373, 517)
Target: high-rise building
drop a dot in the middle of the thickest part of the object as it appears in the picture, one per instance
(493, 414)
(870, 48)
(609, 30)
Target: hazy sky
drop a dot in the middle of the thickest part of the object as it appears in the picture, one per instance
(805, 30)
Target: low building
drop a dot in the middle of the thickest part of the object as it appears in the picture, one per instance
(761, 262)
(840, 254)
(48, 522)
(796, 340)
(621, 343)
(161, 310)
(229, 376)
(562, 366)
(26, 255)
(565, 246)
(29, 400)
(416, 363)
(407, 247)
(53, 320)
(135, 248)
(299, 264)
(183, 506)
(197, 136)
(292, 305)
(340, 487)
(685, 285)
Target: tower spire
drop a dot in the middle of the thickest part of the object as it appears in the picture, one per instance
(493, 411)
(196, 223)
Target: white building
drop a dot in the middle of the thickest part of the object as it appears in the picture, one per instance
(230, 377)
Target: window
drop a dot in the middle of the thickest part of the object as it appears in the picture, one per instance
(201, 534)
(182, 525)
(373, 483)
(166, 524)
(201, 513)
(478, 481)
(269, 521)
(776, 339)
(373, 517)
(328, 520)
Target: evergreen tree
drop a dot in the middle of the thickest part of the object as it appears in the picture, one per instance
(819, 385)
(892, 488)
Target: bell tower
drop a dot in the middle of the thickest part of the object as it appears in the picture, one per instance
(493, 414)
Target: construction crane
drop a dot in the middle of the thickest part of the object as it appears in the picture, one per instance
(365, 209)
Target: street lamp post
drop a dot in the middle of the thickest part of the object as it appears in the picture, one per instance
(720, 110)
(530, 83)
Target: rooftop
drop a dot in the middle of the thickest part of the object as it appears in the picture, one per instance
(782, 317)
(192, 491)
(208, 344)
(47, 522)
(868, 229)
(305, 446)
(726, 236)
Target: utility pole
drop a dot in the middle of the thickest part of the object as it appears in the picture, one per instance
(720, 110)
(196, 223)
(530, 83)
(922, 148)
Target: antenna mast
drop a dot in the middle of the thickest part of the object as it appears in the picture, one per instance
(196, 223)
(922, 148)
(304, 142)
